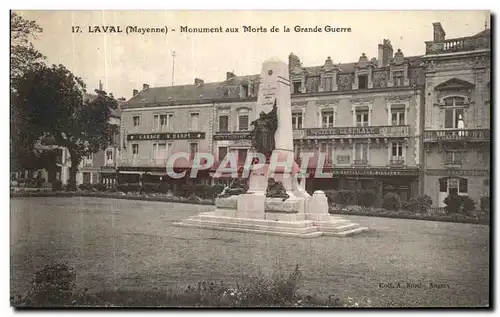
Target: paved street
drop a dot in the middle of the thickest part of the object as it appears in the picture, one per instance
(118, 244)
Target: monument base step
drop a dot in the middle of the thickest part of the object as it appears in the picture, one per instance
(219, 220)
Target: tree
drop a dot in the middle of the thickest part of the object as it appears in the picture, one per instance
(23, 57)
(53, 102)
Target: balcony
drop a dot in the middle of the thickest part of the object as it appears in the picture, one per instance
(453, 163)
(397, 162)
(353, 132)
(231, 136)
(464, 44)
(360, 162)
(468, 135)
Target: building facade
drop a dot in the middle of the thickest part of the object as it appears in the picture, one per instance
(381, 123)
(457, 116)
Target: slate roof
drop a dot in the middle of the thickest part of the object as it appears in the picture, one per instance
(207, 92)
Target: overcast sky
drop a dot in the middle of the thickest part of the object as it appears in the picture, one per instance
(124, 62)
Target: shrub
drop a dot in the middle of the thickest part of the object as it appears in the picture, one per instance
(468, 204)
(391, 201)
(99, 187)
(418, 204)
(53, 285)
(214, 191)
(129, 187)
(85, 186)
(344, 197)
(366, 197)
(459, 204)
(56, 185)
(149, 188)
(164, 187)
(485, 204)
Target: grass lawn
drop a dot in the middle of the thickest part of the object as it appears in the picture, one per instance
(131, 245)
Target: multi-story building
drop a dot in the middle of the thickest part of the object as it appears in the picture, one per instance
(457, 116)
(159, 121)
(366, 117)
(362, 115)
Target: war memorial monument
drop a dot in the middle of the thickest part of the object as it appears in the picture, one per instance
(274, 200)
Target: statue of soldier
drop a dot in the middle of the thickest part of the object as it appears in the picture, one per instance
(237, 187)
(263, 132)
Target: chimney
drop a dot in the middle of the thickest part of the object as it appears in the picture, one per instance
(293, 61)
(230, 75)
(387, 52)
(198, 82)
(100, 85)
(439, 34)
(380, 56)
(145, 86)
(135, 92)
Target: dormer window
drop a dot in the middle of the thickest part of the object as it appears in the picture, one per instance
(244, 91)
(328, 84)
(362, 81)
(398, 78)
(297, 87)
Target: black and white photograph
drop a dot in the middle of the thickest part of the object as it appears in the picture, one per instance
(243, 159)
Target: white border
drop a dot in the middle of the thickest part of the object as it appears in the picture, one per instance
(199, 5)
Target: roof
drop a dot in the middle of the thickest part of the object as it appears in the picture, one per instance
(484, 33)
(114, 112)
(206, 92)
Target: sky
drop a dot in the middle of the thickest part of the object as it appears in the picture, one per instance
(126, 61)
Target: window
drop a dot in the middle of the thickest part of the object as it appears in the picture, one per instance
(397, 153)
(328, 84)
(296, 87)
(443, 185)
(137, 120)
(244, 91)
(109, 156)
(398, 115)
(222, 153)
(327, 119)
(223, 123)
(398, 78)
(163, 121)
(135, 149)
(160, 152)
(462, 185)
(454, 157)
(454, 113)
(297, 120)
(243, 122)
(86, 178)
(193, 121)
(327, 150)
(360, 153)
(362, 81)
(361, 118)
(242, 155)
(193, 149)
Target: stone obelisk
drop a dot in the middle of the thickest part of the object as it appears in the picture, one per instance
(275, 88)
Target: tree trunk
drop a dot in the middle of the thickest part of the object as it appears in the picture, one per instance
(75, 161)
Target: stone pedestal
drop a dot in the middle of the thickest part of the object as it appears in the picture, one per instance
(300, 215)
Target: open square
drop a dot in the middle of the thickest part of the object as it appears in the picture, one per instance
(125, 244)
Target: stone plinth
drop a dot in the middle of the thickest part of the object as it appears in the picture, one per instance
(300, 215)
(252, 205)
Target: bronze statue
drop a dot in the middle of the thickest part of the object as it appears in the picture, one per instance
(276, 190)
(237, 187)
(262, 135)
